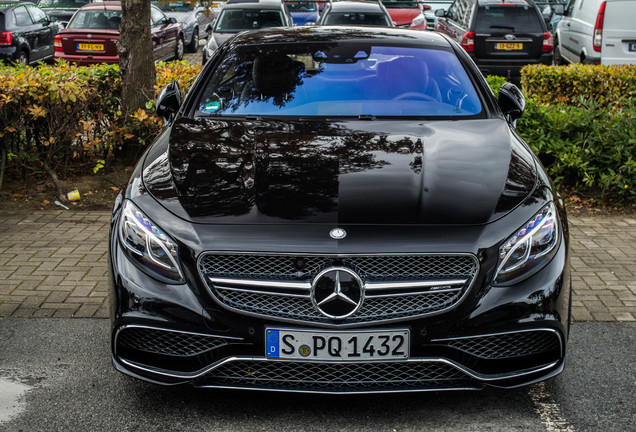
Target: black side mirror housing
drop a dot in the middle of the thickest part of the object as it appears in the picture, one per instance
(440, 12)
(169, 102)
(173, 20)
(512, 102)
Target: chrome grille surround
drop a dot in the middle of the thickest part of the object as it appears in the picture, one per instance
(396, 286)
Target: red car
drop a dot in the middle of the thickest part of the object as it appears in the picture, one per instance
(407, 13)
(92, 34)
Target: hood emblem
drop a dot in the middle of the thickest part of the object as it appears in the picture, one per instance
(337, 233)
(510, 37)
(89, 36)
(336, 292)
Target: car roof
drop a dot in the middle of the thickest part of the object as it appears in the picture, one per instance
(253, 3)
(107, 5)
(310, 34)
(355, 6)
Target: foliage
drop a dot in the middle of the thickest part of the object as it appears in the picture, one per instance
(577, 83)
(586, 143)
(51, 115)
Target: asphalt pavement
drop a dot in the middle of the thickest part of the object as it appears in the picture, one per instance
(68, 384)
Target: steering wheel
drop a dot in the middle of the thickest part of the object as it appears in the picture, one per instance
(415, 95)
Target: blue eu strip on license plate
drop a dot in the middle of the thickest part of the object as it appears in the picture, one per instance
(632, 46)
(273, 339)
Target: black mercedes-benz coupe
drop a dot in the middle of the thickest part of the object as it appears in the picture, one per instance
(340, 210)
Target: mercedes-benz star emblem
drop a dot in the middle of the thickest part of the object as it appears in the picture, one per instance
(510, 37)
(337, 233)
(337, 292)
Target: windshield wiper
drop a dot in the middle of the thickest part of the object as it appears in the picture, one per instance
(500, 26)
(366, 117)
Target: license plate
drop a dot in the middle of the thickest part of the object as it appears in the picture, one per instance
(508, 46)
(337, 345)
(90, 47)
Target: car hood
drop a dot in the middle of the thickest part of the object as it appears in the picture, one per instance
(355, 172)
(219, 38)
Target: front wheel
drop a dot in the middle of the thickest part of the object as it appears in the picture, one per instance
(178, 52)
(23, 57)
(194, 43)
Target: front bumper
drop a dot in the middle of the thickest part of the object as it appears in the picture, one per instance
(498, 336)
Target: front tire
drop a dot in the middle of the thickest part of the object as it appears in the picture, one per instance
(23, 57)
(178, 51)
(194, 43)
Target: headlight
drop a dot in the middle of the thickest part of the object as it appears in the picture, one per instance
(530, 248)
(148, 245)
(418, 20)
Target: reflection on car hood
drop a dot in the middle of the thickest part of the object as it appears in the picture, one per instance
(355, 172)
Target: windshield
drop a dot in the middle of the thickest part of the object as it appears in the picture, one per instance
(173, 7)
(237, 20)
(302, 6)
(400, 4)
(70, 4)
(507, 18)
(357, 18)
(95, 19)
(339, 79)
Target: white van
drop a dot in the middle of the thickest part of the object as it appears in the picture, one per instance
(596, 32)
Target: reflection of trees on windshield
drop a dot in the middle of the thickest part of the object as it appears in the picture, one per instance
(289, 170)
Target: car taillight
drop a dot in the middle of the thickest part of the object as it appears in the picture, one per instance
(468, 42)
(6, 38)
(598, 28)
(548, 42)
(57, 43)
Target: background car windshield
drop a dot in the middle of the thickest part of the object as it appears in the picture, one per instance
(173, 7)
(237, 20)
(356, 18)
(301, 6)
(339, 79)
(400, 4)
(512, 18)
(71, 4)
(96, 19)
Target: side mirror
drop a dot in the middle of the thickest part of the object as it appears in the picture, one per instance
(440, 12)
(52, 19)
(558, 9)
(169, 101)
(511, 102)
(172, 20)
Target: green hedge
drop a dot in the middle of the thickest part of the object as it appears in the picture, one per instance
(576, 83)
(52, 116)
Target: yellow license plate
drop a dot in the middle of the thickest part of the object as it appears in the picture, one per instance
(508, 46)
(90, 47)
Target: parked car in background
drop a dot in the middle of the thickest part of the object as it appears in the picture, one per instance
(407, 13)
(339, 210)
(500, 37)
(63, 10)
(26, 33)
(597, 32)
(194, 20)
(356, 13)
(92, 34)
(240, 15)
(304, 12)
(429, 12)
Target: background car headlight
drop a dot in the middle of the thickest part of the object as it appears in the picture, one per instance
(148, 245)
(530, 248)
(418, 20)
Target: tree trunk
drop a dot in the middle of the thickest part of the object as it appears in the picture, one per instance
(136, 63)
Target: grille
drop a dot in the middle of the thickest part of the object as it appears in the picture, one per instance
(168, 342)
(508, 345)
(347, 377)
(279, 286)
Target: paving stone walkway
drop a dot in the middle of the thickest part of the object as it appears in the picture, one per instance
(53, 264)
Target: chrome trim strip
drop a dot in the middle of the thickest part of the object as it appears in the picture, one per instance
(277, 294)
(259, 283)
(407, 285)
(373, 295)
(202, 372)
(337, 325)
